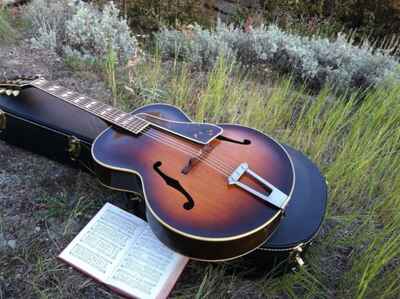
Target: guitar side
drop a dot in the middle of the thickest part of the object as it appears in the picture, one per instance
(199, 215)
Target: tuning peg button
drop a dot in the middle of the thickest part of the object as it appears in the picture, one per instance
(15, 93)
(8, 92)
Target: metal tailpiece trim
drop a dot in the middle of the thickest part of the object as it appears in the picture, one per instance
(74, 148)
(3, 120)
(277, 198)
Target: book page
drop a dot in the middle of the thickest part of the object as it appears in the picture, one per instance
(96, 248)
(120, 250)
(148, 268)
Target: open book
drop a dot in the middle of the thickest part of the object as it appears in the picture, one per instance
(119, 250)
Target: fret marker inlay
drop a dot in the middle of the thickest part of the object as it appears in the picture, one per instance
(79, 99)
(120, 116)
(54, 87)
(125, 120)
(68, 93)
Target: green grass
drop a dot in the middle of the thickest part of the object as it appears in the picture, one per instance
(355, 140)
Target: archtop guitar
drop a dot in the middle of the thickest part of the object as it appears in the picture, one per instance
(212, 192)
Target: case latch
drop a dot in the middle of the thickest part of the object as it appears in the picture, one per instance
(3, 120)
(74, 148)
(296, 255)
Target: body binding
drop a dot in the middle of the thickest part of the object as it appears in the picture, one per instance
(198, 214)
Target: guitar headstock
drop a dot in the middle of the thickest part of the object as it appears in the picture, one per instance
(13, 87)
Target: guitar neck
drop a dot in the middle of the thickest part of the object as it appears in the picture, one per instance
(104, 111)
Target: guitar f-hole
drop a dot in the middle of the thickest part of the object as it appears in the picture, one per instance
(227, 139)
(176, 185)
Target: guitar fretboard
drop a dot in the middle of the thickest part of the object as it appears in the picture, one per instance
(108, 113)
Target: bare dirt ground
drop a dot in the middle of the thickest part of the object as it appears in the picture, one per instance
(44, 204)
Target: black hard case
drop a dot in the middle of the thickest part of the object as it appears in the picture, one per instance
(43, 124)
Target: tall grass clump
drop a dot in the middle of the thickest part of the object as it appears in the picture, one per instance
(356, 144)
(314, 60)
(80, 31)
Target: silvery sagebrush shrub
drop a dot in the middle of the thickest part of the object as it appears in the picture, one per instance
(315, 60)
(79, 30)
(47, 22)
(91, 34)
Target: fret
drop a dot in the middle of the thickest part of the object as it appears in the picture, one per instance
(45, 85)
(136, 122)
(120, 116)
(79, 100)
(90, 104)
(96, 108)
(67, 94)
(53, 88)
(106, 112)
(112, 113)
(137, 125)
(128, 120)
(39, 82)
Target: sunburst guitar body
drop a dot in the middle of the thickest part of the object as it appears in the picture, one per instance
(191, 203)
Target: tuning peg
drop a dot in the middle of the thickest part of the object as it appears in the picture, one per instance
(8, 92)
(15, 93)
(2, 90)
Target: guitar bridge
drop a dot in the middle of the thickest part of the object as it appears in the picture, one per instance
(276, 197)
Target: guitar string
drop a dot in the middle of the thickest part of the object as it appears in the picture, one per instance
(174, 147)
(198, 155)
(224, 170)
(189, 146)
(183, 147)
(191, 150)
(218, 164)
(215, 204)
(210, 156)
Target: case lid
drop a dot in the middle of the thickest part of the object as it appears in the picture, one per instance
(306, 210)
(39, 107)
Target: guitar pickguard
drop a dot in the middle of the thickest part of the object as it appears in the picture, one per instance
(201, 133)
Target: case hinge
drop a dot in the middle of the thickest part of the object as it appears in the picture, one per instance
(3, 120)
(74, 148)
